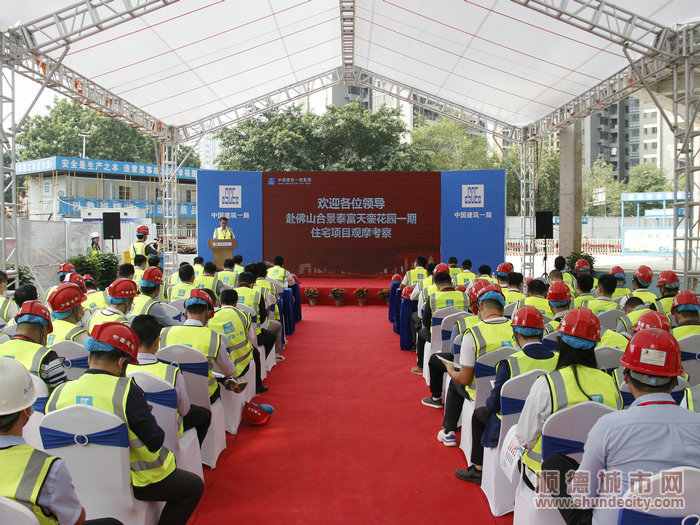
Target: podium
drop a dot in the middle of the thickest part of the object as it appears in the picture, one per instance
(222, 249)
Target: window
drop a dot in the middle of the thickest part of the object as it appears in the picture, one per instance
(654, 145)
(90, 190)
(190, 195)
(125, 193)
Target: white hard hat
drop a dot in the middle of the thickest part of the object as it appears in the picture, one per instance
(94, 234)
(17, 390)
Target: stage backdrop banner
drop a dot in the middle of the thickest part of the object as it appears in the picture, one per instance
(236, 195)
(474, 216)
(351, 222)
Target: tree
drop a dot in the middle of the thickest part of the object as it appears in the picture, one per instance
(546, 184)
(56, 134)
(647, 177)
(347, 138)
(598, 181)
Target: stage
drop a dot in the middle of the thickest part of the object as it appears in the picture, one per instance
(349, 284)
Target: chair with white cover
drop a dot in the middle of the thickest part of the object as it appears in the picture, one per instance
(234, 402)
(690, 357)
(30, 431)
(677, 393)
(10, 329)
(4, 338)
(688, 515)
(16, 513)
(194, 367)
(75, 358)
(498, 489)
(162, 397)
(609, 318)
(553, 336)
(179, 305)
(173, 312)
(93, 442)
(564, 432)
(439, 338)
(608, 358)
(509, 309)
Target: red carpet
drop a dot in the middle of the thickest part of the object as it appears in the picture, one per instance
(349, 441)
(349, 284)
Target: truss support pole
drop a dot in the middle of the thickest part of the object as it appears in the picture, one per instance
(686, 185)
(528, 176)
(167, 178)
(9, 222)
(570, 189)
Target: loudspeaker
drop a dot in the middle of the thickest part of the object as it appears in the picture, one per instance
(544, 227)
(111, 227)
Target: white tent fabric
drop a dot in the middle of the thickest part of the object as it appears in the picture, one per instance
(193, 58)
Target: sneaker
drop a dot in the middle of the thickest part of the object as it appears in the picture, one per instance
(447, 438)
(417, 370)
(279, 358)
(430, 402)
(471, 474)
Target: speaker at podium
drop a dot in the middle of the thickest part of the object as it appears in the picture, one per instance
(222, 249)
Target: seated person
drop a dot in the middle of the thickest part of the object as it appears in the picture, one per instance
(208, 279)
(634, 308)
(63, 270)
(621, 278)
(67, 312)
(584, 285)
(466, 276)
(643, 276)
(93, 297)
(686, 309)
(278, 273)
(668, 284)
(556, 276)
(604, 302)
(515, 284)
(559, 298)
(537, 297)
(181, 289)
(147, 302)
(154, 476)
(120, 296)
(139, 266)
(126, 271)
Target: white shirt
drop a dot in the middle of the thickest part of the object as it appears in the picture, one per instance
(467, 352)
(538, 407)
(183, 400)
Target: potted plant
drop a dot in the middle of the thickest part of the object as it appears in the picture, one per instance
(384, 294)
(337, 294)
(312, 294)
(361, 294)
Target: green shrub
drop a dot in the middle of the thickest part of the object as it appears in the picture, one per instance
(575, 256)
(102, 267)
(85, 264)
(25, 275)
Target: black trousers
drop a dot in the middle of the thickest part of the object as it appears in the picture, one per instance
(456, 394)
(423, 337)
(258, 371)
(416, 324)
(437, 372)
(480, 419)
(103, 521)
(266, 339)
(181, 491)
(198, 418)
(563, 464)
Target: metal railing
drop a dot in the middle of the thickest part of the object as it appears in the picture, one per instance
(592, 246)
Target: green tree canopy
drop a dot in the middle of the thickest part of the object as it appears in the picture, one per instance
(57, 134)
(598, 183)
(647, 177)
(546, 185)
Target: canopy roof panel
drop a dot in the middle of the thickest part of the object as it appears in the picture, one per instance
(192, 58)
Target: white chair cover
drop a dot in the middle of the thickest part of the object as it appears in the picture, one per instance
(233, 402)
(15, 513)
(75, 356)
(508, 310)
(608, 358)
(173, 312)
(609, 319)
(179, 305)
(30, 432)
(691, 345)
(439, 339)
(10, 329)
(483, 383)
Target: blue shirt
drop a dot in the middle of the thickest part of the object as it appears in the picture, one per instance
(648, 438)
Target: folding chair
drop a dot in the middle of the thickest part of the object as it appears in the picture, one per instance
(690, 357)
(93, 442)
(677, 393)
(234, 402)
(609, 318)
(179, 305)
(10, 329)
(498, 489)
(689, 515)
(172, 312)
(438, 337)
(608, 358)
(508, 310)
(75, 358)
(195, 371)
(30, 432)
(162, 398)
(16, 513)
(564, 432)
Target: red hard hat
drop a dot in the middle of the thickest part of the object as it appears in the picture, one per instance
(461, 288)
(406, 292)
(35, 308)
(142, 230)
(667, 278)
(652, 319)
(66, 268)
(89, 278)
(66, 297)
(198, 293)
(254, 414)
(296, 279)
(617, 269)
(684, 298)
(120, 336)
(122, 289)
(582, 323)
(441, 268)
(644, 274)
(559, 291)
(528, 316)
(75, 278)
(153, 274)
(528, 281)
(491, 287)
(504, 267)
(396, 277)
(653, 352)
(582, 265)
(478, 285)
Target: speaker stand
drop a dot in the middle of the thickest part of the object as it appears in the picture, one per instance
(545, 274)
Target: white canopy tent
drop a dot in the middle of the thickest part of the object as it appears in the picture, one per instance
(519, 69)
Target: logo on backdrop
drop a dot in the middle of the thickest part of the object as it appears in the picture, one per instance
(472, 195)
(229, 196)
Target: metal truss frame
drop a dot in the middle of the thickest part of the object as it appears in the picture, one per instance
(166, 159)
(529, 170)
(347, 40)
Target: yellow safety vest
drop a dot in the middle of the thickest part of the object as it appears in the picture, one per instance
(174, 278)
(567, 278)
(138, 248)
(106, 316)
(489, 337)
(428, 290)
(5, 308)
(645, 295)
(630, 319)
(552, 326)
(109, 393)
(95, 300)
(228, 277)
(28, 353)
(621, 292)
(512, 296)
(265, 287)
(463, 278)
(200, 338)
(142, 304)
(198, 270)
(234, 324)
(278, 274)
(251, 298)
(582, 300)
(488, 278)
(24, 474)
(564, 392)
(454, 270)
(65, 331)
(684, 330)
(166, 372)
(614, 339)
(447, 298)
(601, 305)
(416, 274)
(467, 322)
(48, 294)
(205, 281)
(691, 395)
(664, 304)
(138, 273)
(540, 303)
(223, 234)
(180, 291)
(520, 363)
